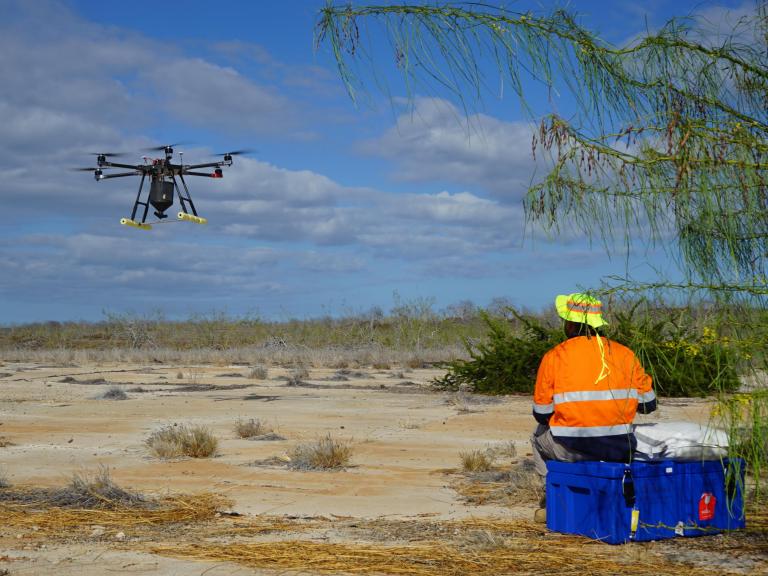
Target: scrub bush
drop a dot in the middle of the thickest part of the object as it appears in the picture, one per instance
(326, 453)
(174, 441)
(250, 428)
(684, 358)
(505, 362)
(683, 355)
(477, 460)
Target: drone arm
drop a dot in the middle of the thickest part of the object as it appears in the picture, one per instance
(208, 165)
(204, 174)
(117, 165)
(119, 175)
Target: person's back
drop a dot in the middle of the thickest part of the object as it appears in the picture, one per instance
(588, 390)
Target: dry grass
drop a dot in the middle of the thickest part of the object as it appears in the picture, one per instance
(477, 460)
(115, 393)
(259, 372)
(329, 356)
(54, 520)
(504, 450)
(326, 453)
(189, 527)
(518, 485)
(251, 428)
(85, 490)
(566, 556)
(483, 540)
(297, 376)
(176, 440)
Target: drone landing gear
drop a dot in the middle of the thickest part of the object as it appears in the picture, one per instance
(183, 199)
(161, 193)
(134, 224)
(191, 218)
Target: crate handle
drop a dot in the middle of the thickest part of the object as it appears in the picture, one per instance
(628, 488)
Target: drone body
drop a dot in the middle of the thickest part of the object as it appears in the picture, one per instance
(164, 178)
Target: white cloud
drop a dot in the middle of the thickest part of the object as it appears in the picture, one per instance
(204, 94)
(436, 141)
(269, 203)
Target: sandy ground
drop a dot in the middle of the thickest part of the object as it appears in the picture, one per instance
(404, 438)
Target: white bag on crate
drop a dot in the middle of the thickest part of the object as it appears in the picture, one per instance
(680, 441)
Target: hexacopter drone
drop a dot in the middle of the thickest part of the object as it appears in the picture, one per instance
(164, 178)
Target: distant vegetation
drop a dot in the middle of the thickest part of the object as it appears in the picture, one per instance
(413, 326)
(689, 350)
(411, 334)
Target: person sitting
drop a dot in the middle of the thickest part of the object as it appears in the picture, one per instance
(588, 390)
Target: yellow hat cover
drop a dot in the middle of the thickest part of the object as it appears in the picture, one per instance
(579, 307)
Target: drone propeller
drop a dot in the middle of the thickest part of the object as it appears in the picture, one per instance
(163, 147)
(106, 154)
(235, 153)
(86, 169)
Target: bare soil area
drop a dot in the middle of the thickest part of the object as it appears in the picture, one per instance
(401, 487)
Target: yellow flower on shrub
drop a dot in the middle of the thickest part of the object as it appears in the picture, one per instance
(691, 349)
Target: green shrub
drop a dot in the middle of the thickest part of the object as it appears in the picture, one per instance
(683, 358)
(505, 362)
(683, 355)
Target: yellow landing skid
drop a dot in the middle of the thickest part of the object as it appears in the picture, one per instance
(191, 218)
(134, 224)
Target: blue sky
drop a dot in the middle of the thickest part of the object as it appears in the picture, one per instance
(338, 207)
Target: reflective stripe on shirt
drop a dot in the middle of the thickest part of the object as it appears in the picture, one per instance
(591, 431)
(647, 397)
(591, 395)
(543, 408)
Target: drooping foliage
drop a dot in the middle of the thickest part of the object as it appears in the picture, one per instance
(668, 136)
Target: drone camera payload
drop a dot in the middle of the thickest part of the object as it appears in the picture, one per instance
(161, 196)
(166, 181)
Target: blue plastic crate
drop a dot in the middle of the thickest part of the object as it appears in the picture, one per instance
(597, 499)
(714, 499)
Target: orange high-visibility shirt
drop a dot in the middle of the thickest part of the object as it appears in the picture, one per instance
(586, 396)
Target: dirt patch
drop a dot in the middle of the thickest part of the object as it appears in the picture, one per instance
(269, 437)
(207, 387)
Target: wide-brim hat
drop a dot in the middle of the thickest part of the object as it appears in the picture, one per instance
(579, 307)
